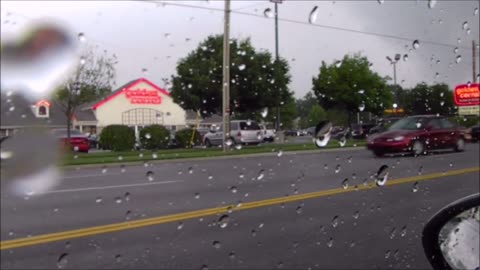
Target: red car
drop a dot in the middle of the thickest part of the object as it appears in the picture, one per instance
(417, 135)
(78, 141)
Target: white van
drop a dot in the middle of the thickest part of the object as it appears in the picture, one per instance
(241, 132)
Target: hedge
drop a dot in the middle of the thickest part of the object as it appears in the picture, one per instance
(117, 138)
(184, 137)
(154, 137)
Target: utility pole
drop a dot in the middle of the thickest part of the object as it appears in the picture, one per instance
(394, 63)
(277, 64)
(474, 62)
(226, 76)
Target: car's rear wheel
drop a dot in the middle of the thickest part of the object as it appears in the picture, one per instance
(460, 145)
(418, 148)
(208, 143)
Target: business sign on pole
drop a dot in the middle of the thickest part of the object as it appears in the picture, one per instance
(469, 110)
(467, 95)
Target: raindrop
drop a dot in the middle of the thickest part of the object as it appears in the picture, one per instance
(330, 242)
(231, 255)
(442, 103)
(98, 199)
(342, 141)
(335, 221)
(356, 214)
(144, 71)
(197, 195)
(180, 226)
(241, 67)
(81, 37)
(415, 187)
(361, 91)
(62, 261)
(204, 267)
(233, 189)
(128, 215)
(416, 44)
(393, 233)
(264, 112)
(361, 107)
(403, 231)
(465, 25)
(382, 176)
(104, 169)
(432, 3)
(82, 61)
(420, 170)
(455, 50)
(216, 244)
(260, 175)
(190, 170)
(475, 11)
(345, 183)
(118, 258)
(380, 1)
(268, 13)
(405, 57)
(299, 209)
(122, 168)
(223, 221)
(148, 136)
(127, 196)
(441, 94)
(241, 175)
(118, 200)
(387, 254)
(154, 155)
(458, 59)
(338, 63)
(120, 158)
(337, 168)
(150, 176)
(313, 15)
(322, 133)
(229, 142)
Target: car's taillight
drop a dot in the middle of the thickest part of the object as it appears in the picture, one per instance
(239, 134)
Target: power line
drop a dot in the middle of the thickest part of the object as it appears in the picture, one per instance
(313, 25)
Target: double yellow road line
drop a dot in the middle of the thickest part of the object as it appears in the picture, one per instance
(52, 237)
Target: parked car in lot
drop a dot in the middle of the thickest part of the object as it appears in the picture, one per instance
(268, 133)
(475, 133)
(417, 135)
(360, 131)
(292, 132)
(78, 141)
(338, 133)
(241, 132)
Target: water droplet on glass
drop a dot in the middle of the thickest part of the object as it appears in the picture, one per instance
(126, 196)
(405, 57)
(299, 209)
(216, 244)
(197, 196)
(231, 255)
(387, 254)
(148, 136)
(416, 44)
(260, 175)
(241, 67)
(337, 168)
(338, 63)
(223, 221)
(180, 226)
(62, 261)
(475, 11)
(312, 18)
(345, 183)
(380, 1)
(361, 91)
(118, 258)
(322, 133)
(128, 215)
(98, 199)
(415, 187)
(455, 50)
(432, 3)
(118, 200)
(335, 221)
(330, 242)
(465, 25)
(420, 170)
(279, 153)
(382, 176)
(264, 112)
(104, 169)
(361, 107)
(393, 233)
(122, 168)
(268, 13)
(82, 61)
(342, 141)
(458, 59)
(150, 176)
(233, 189)
(81, 37)
(356, 214)
(403, 232)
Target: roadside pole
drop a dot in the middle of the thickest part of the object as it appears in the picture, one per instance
(226, 76)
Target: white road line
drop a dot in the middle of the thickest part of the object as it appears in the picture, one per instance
(110, 187)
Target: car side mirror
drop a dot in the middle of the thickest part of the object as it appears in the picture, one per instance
(451, 238)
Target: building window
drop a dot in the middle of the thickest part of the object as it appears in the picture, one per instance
(42, 109)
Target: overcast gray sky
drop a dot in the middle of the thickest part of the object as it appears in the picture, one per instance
(153, 36)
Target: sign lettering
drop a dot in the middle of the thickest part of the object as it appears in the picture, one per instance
(467, 94)
(143, 96)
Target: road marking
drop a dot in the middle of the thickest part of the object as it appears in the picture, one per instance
(127, 225)
(90, 175)
(109, 187)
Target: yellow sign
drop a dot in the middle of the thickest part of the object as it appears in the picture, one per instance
(399, 110)
(469, 110)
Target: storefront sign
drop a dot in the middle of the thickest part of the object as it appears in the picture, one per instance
(143, 96)
(469, 110)
(42, 103)
(467, 94)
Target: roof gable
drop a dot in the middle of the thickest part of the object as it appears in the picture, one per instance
(128, 86)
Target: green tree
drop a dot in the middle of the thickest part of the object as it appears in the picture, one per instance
(352, 86)
(257, 82)
(316, 114)
(304, 105)
(425, 99)
(92, 79)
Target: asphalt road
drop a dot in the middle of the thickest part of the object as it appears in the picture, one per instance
(369, 228)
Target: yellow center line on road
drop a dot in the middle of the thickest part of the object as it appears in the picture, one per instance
(127, 225)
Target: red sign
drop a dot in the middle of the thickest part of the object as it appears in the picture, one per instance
(143, 96)
(42, 103)
(467, 94)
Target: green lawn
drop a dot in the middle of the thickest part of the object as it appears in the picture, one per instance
(138, 156)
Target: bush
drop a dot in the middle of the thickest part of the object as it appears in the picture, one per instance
(154, 137)
(184, 137)
(466, 121)
(117, 138)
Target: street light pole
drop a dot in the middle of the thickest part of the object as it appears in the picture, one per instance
(277, 62)
(226, 76)
(394, 63)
